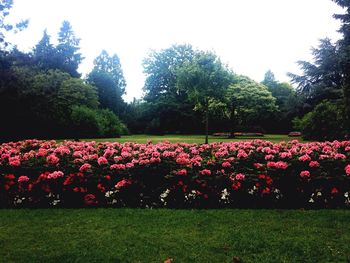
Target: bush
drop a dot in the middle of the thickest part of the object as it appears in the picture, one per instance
(92, 123)
(237, 174)
(110, 124)
(85, 122)
(325, 122)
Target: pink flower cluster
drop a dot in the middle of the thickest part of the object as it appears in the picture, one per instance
(94, 172)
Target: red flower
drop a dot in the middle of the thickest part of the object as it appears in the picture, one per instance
(90, 199)
(236, 185)
(334, 191)
(266, 190)
(23, 179)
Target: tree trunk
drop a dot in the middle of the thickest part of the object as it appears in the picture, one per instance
(206, 124)
(233, 123)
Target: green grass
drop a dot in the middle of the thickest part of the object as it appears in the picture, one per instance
(192, 138)
(136, 235)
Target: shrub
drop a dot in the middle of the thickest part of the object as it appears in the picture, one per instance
(84, 122)
(110, 124)
(92, 123)
(325, 122)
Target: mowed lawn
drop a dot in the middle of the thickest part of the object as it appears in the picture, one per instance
(193, 138)
(153, 235)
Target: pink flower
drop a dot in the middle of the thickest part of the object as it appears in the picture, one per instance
(15, 161)
(205, 172)
(305, 174)
(84, 167)
(314, 164)
(257, 165)
(339, 156)
(242, 154)
(23, 179)
(117, 166)
(123, 183)
(102, 161)
(279, 165)
(129, 165)
(52, 159)
(305, 158)
(226, 164)
(269, 157)
(41, 152)
(181, 172)
(347, 169)
(240, 177)
(55, 175)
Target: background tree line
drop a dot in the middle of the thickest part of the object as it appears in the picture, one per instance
(186, 90)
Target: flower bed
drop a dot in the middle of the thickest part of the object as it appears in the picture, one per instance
(256, 173)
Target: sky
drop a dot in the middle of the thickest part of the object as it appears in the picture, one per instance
(250, 36)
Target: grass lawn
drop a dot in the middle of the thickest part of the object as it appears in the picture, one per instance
(193, 138)
(136, 235)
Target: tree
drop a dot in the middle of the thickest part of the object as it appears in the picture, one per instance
(45, 54)
(321, 79)
(107, 76)
(205, 80)
(344, 57)
(252, 104)
(68, 50)
(111, 65)
(286, 100)
(169, 108)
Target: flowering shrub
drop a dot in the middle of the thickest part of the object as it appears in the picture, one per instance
(255, 173)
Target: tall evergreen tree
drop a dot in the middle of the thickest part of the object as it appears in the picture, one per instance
(68, 50)
(107, 76)
(45, 54)
(344, 56)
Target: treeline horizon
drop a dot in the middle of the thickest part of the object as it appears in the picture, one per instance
(188, 91)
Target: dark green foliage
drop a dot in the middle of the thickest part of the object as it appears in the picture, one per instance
(68, 57)
(84, 122)
(344, 57)
(325, 122)
(168, 108)
(45, 54)
(110, 124)
(287, 101)
(321, 79)
(205, 81)
(107, 76)
(91, 123)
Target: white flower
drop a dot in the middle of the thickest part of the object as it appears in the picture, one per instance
(109, 194)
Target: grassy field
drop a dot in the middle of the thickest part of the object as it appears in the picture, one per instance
(193, 138)
(136, 235)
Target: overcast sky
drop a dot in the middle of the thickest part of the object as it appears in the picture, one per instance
(251, 36)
